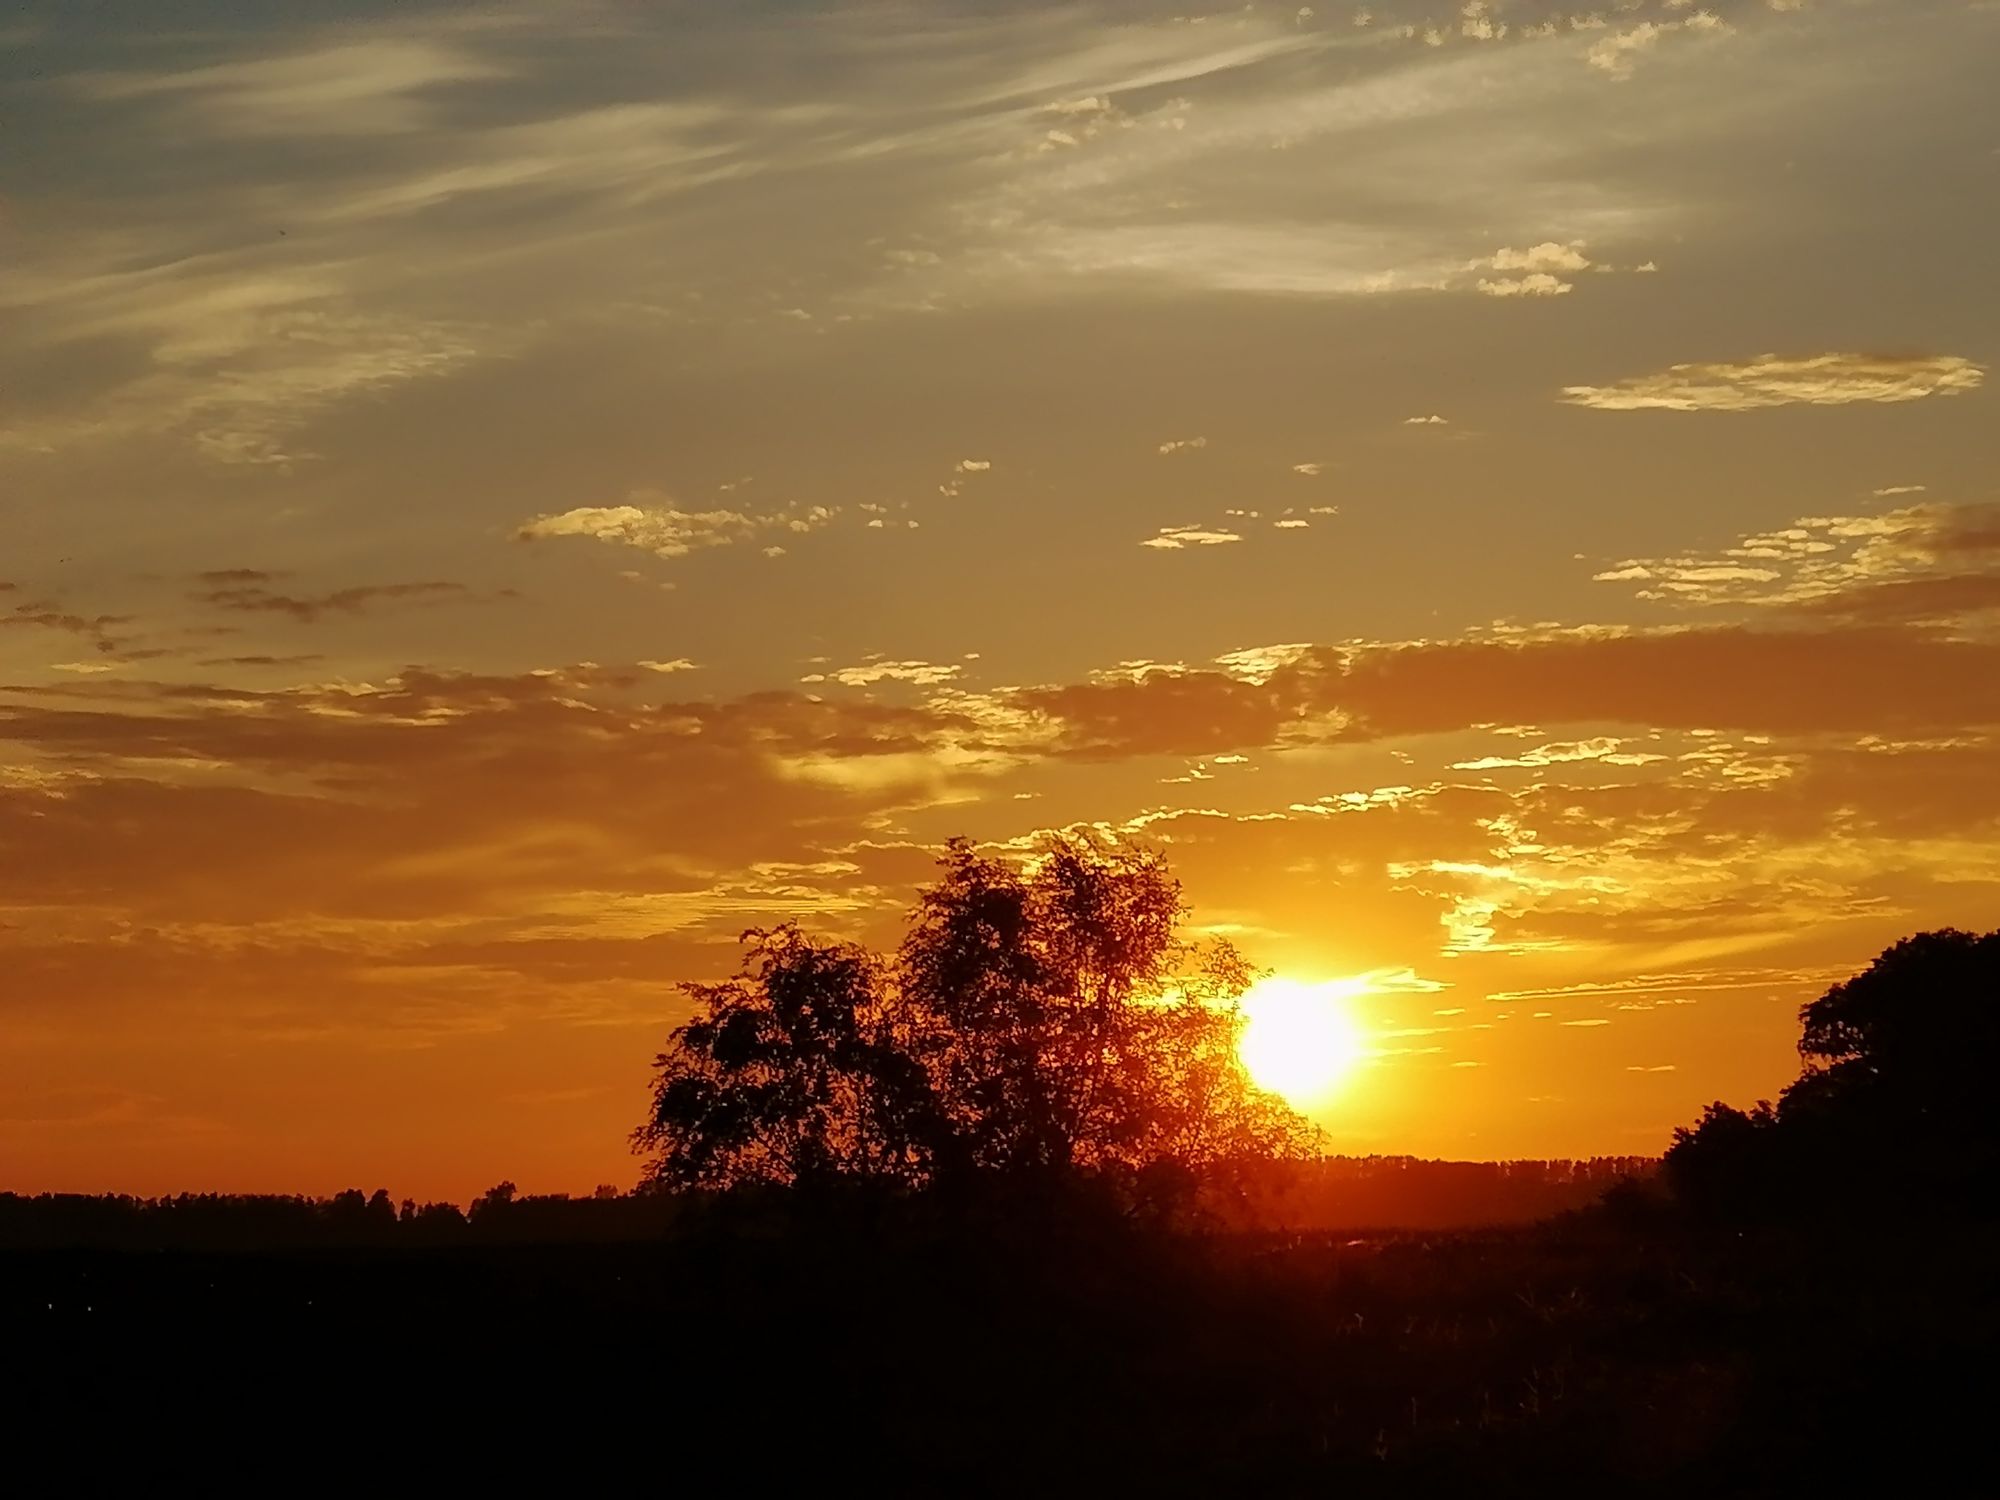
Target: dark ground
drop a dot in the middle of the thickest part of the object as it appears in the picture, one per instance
(1584, 1357)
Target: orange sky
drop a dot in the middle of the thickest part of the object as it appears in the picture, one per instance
(496, 502)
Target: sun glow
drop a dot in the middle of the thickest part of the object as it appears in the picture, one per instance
(1302, 1040)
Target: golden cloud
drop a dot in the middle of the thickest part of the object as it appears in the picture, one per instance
(1781, 380)
(1175, 538)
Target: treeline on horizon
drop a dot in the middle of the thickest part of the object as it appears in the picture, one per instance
(1347, 1194)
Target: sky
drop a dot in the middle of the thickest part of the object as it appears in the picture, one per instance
(494, 501)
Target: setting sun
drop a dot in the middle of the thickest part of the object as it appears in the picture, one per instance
(1302, 1039)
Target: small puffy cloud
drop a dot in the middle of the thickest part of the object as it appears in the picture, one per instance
(1080, 120)
(1547, 256)
(1783, 380)
(1178, 445)
(1433, 420)
(1291, 523)
(1540, 284)
(663, 530)
(1536, 271)
(654, 524)
(677, 664)
(1476, 21)
(1309, 470)
(874, 670)
(1889, 491)
(1174, 538)
(810, 518)
(1618, 53)
(1091, 105)
(960, 472)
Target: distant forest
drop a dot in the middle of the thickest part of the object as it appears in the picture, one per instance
(1335, 1193)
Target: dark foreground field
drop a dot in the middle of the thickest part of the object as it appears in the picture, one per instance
(1580, 1358)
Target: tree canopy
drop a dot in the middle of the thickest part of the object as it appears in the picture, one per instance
(1895, 1090)
(1046, 1018)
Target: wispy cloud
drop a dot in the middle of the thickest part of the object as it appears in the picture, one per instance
(1175, 538)
(1783, 380)
(651, 522)
(259, 598)
(1922, 562)
(365, 87)
(876, 669)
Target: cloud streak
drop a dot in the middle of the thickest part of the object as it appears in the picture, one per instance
(650, 522)
(1780, 380)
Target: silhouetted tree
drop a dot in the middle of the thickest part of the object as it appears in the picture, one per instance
(1043, 1020)
(1067, 1022)
(1905, 1050)
(435, 1223)
(1895, 1098)
(1726, 1163)
(491, 1207)
(788, 1073)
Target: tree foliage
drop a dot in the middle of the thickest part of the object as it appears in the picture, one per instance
(1046, 1019)
(788, 1073)
(1909, 1042)
(1894, 1098)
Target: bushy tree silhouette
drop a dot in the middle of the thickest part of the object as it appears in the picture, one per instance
(1050, 1019)
(1894, 1100)
(789, 1073)
(1908, 1044)
(1725, 1162)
